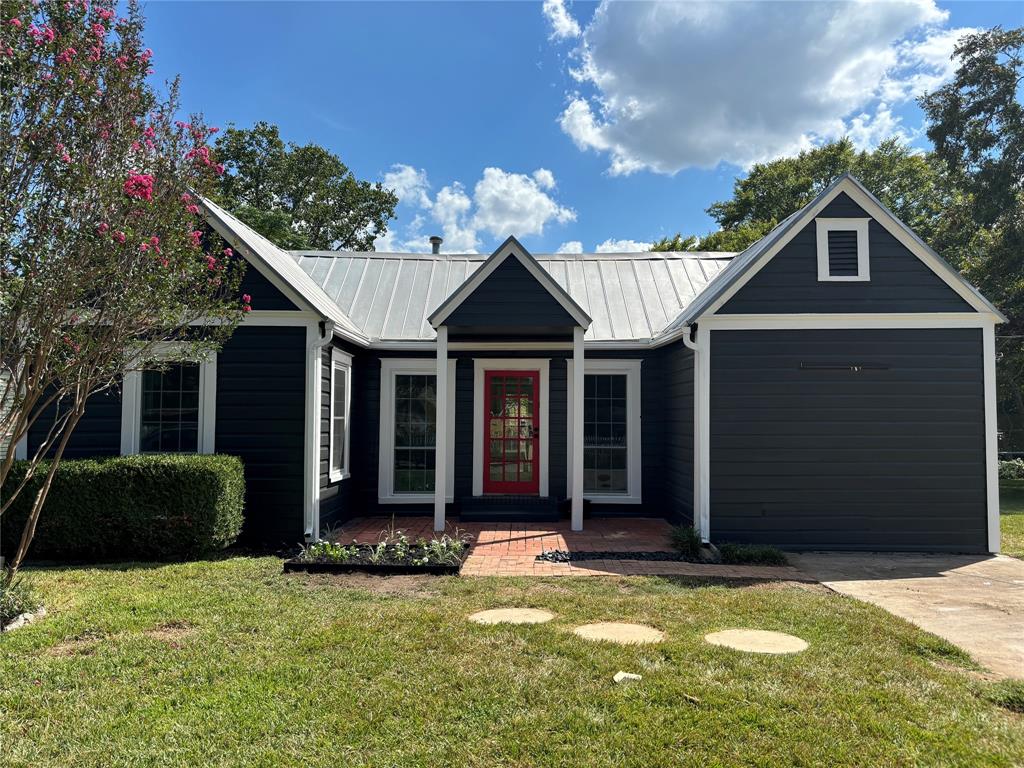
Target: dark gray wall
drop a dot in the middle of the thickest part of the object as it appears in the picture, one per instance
(509, 299)
(260, 417)
(264, 295)
(98, 432)
(832, 459)
(678, 426)
(336, 498)
(900, 282)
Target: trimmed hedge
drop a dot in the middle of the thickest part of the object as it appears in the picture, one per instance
(1011, 469)
(156, 507)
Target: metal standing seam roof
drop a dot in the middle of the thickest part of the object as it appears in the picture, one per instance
(630, 296)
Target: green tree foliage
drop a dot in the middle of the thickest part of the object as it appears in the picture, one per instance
(976, 123)
(300, 197)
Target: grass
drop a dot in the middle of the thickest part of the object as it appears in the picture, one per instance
(1011, 522)
(231, 663)
(752, 554)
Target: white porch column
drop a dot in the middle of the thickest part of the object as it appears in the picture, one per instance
(576, 435)
(702, 431)
(441, 431)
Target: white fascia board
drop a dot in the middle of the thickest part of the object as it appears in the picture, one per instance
(511, 247)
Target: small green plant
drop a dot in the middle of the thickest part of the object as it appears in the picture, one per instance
(16, 597)
(686, 540)
(329, 551)
(1008, 694)
(752, 554)
(377, 552)
(1011, 469)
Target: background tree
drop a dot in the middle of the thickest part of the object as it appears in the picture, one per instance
(103, 257)
(300, 197)
(907, 181)
(976, 123)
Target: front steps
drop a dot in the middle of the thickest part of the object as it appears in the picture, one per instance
(509, 509)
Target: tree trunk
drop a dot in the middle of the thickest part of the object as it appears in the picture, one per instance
(33, 518)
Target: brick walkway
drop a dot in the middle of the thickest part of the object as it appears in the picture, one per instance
(509, 549)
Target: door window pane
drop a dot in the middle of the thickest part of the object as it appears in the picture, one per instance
(170, 410)
(604, 434)
(415, 432)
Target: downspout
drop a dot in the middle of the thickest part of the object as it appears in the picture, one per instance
(701, 474)
(318, 336)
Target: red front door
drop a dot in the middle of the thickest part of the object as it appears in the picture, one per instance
(511, 432)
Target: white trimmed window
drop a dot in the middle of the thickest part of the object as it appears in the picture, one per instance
(341, 404)
(611, 431)
(408, 431)
(170, 410)
(843, 250)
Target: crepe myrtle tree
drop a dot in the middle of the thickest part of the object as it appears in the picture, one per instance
(105, 256)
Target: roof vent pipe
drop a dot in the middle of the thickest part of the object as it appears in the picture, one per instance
(435, 243)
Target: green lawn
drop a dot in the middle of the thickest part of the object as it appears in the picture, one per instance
(232, 663)
(1011, 522)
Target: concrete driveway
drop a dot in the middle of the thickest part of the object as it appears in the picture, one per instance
(975, 602)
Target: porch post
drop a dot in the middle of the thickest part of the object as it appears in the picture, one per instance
(441, 430)
(577, 429)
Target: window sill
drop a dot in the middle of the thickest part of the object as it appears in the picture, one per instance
(337, 477)
(412, 498)
(611, 499)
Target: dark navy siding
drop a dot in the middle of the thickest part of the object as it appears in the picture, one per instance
(265, 296)
(510, 298)
(678, 421)
(98, 432)
(900, 282)
(335, 498)
(260, 417)
(834, 459)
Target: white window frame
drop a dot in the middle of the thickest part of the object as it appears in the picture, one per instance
(389, 368)
(860, 226)
(480, 366)
(634, 432)
(343, 361)
(131, 404)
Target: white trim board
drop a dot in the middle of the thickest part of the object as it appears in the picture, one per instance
(480, 366)
(511, 247)
(634, 431)
(851, 320)
(860, 226)
(389, 368)
(991, 437)
(341, 360)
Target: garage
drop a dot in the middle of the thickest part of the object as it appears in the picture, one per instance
(869, 439)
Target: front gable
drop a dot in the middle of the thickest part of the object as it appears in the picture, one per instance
(896, 281)
(510, 294)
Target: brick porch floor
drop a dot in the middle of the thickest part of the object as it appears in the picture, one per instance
(509, 549)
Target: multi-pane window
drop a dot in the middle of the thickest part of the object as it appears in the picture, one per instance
(169, 421)
(415, 432)
(340, 384)
(605, 449)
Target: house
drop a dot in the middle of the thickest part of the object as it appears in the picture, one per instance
(831, 387)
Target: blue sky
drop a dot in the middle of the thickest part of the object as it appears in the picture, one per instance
(573, 125)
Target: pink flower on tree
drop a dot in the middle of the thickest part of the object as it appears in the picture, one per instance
(228, 252)
(122, 62)
(186, 197)
(193, 209)
(65, 56)
(143, 247)
(103, 227)
(197, 237)
(139, 186)
(211, 263)
(219, 169)
(99, 30)
(16, 23)
(119, 236)
(105, 13)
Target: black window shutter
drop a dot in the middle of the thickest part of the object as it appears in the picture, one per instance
(842, 253)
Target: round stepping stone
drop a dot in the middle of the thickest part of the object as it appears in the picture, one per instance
(757, 641)
(512, 616)
(618, 632)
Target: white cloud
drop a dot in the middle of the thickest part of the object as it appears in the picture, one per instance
(622, 246)
(570, 246)
(410, 184)
(514, 203)
(563, 25)
(502, 203)
(665, 86)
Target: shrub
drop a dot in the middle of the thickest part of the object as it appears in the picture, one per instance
(751, 554)
(16, 597)
(164, 506)
(1011, 469)
(686, 540)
